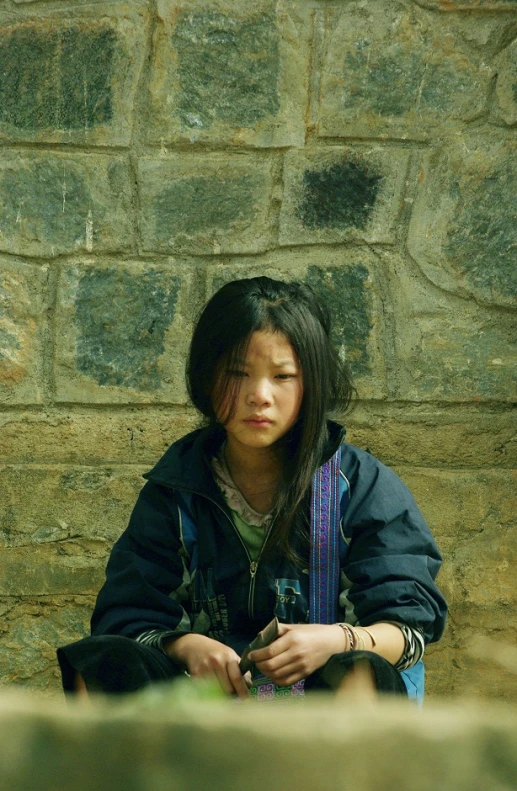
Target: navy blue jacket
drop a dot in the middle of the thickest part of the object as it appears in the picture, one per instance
(181, 564)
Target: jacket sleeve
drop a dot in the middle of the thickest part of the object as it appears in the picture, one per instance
(392, 558)
(147, 578)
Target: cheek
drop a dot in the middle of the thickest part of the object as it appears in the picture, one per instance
(225, 400)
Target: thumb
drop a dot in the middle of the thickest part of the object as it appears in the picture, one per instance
(283, 628)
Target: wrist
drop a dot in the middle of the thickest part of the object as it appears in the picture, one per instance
(176, 647)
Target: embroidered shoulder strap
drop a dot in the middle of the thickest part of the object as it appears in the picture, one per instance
(324, 564)
(324, 557)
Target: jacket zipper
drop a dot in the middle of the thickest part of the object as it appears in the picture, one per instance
(253, 573)
(253, 564)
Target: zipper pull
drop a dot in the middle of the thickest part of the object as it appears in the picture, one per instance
(253, 568)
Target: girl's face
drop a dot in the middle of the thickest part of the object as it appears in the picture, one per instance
(269, 393)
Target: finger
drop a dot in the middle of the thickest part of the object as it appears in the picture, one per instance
(283, 672)
(287, 681)
(279, 646)
(237, 680)
(226, 685)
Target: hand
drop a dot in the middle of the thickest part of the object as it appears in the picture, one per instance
(203, 656)
(298, 651)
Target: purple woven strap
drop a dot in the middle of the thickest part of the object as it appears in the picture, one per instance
(324, 560)
(324, 563)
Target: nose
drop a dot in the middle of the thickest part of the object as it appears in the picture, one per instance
(258, 392)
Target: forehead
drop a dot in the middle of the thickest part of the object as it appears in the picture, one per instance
(274, 347)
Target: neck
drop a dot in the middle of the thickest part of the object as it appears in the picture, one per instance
(256, 472)
(253, 462)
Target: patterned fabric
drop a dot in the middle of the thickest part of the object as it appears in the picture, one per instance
(267, 690)
(324, 565)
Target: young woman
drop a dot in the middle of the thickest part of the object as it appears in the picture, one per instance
(218, 542)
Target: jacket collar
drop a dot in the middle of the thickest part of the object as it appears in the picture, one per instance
(187, 463)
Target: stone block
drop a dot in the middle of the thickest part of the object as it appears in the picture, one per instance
(124, 436)
(54, 204)
(434, 436)
(229, 72)
(31, 631)
(156, 741)
(347, 280)
(506, 85)
(23, 305)
(47, 570)
(66, 505)
(340, 194)
(452, 672)
(202, 204)
(394, 70)
(447, 348)
(463, 233)
(123, 332)
(468, 5)
(472, 515)
(72, 79)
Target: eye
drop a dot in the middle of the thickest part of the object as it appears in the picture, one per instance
(285, 377)
(237, 374)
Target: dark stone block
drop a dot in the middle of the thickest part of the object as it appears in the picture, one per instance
(86, 66)
(389, 84)
(341, 195)
(122, 319)
(47, 200)
(200, 203)
(482, 235)
(228, 68)
(57, 79)
(343, 290)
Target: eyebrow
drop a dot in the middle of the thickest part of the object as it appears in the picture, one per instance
(277, 364)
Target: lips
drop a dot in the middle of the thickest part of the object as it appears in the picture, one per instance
(258, 420)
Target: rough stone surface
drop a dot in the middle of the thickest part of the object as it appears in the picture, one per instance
(469, 5)
(202, 204)
(392, 69)
(156, 742)
(473, 517)
(72, 79)
(439, 438)
(506, 86)
(23, 302)
(347, 280)
(230, 72)
(342, 194)
(463, 231)
(67, 504)
(449, 349)
(52, 569)
(133, 436)
(122, 333)
(52, 204)
(31, 630)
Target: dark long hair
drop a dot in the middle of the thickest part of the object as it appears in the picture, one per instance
(222, 335)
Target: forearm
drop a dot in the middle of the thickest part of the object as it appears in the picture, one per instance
(384, 639)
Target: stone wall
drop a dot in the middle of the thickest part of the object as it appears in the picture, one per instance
(152, 151)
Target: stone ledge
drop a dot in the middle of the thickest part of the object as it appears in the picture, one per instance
(156, 741)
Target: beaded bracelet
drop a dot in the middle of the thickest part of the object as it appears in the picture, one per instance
(355, 639)
(349, 635)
